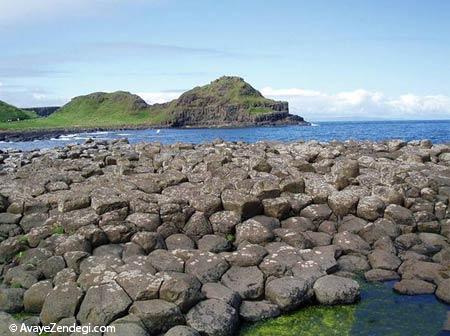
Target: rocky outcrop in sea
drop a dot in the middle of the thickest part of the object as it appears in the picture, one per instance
(189, 239)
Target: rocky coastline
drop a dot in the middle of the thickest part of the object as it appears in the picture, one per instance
(189, 239)
(44, 134)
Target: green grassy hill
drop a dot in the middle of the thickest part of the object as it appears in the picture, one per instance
(12, 113)
(103, 109)
(227, 90)
(95, 110)
(224, 91)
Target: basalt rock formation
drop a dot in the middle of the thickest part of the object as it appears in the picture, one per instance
(227, 101)
(189, 239)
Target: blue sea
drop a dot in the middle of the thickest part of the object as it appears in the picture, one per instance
(437, 131)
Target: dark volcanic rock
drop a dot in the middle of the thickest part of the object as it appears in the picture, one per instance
(332, 289)
(241, 203)
(213, 317)
(287, 293)
(11, 299)
(150, 237)
(207, 266)
(443, 291)
(253, 311)
(63, 301)
(248, 282)
(158, 316)
(414, 287)
(213, 290)
(181, 289)
(103, 304)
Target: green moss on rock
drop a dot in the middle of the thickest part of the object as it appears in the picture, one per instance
(309, 321)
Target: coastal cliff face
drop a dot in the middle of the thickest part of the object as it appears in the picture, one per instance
(227, 101)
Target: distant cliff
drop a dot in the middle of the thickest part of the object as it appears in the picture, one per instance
(42, 111)
(227, 101)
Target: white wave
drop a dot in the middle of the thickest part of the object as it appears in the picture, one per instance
(315, 125)
(69, 136)
(69, 139)
(99, 132)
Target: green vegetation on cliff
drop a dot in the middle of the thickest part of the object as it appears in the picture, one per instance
(225, 101)
(228, 90)
(12, 113)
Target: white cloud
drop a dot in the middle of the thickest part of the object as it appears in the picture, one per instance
(361, 104)
(158, 97)
(410, 103)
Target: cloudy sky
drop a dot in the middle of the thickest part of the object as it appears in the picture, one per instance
(332, 60)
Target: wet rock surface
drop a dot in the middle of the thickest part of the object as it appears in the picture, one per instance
(192, 240)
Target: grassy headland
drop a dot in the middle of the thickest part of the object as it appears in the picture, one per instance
(225, 101)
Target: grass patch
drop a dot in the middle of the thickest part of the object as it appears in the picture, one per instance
(259, 110)
(21, 315)
(23, 239)
(16, 285)
(230, 237)
(59, 230)
(18, 256)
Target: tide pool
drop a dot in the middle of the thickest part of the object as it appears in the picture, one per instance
(381, 312)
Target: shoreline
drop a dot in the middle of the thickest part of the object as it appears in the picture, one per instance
(41, 134)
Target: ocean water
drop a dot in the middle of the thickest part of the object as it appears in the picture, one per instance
(437, 131)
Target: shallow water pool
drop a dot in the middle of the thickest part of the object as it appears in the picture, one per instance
(380, 312)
